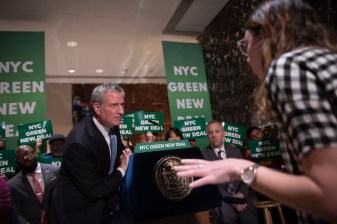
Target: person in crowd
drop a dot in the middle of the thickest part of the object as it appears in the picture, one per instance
(216, 150)
(294, 56)
(151, 137)
(56, 144)
(5, 200)
(255, 133)
(2, 143)
(252, 133)
(173, 134)
(30, 187)
(94, 163)
(38, 145)
(193, 142)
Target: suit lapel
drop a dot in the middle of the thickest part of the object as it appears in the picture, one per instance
(210, 153)
(100, 143)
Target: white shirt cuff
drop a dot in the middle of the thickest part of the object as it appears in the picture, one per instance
(121, 170)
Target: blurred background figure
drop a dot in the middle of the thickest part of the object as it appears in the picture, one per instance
(5, 200)
(151, 137)
(2, 143)
(193, 142)
(56, 144)
(38, 145)
(173, 134)
(252, 133)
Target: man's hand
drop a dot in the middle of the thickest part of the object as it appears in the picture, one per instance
(239, 207)
(125, 158)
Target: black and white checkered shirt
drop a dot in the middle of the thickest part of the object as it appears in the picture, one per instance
(302, 92)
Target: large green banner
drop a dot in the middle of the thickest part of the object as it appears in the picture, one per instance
(22, 81)
(186, 82)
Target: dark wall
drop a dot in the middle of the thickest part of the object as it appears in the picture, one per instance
(230, 80)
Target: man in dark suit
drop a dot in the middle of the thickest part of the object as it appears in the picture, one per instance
(228, 213)
(30, 203)
(94, 163)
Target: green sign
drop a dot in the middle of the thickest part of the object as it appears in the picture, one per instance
(7, 162)
(22, 75)
(192, 128)
(28, 133)
(125, 127)
(235, 135)
(186, 83)
(160, 146)
(149, 121)
(264, 148)
(53, 161)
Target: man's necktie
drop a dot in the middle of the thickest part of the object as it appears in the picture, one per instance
(113, 149)
(230, 186)
(37, 187)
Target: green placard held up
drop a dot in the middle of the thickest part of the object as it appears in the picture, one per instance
(149, 121)
(28, 133)
(7, 162)
(235, 135)
(125, 127)
(192, 128)
(265, 148)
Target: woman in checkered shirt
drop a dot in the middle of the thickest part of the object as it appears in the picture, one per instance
(293, 55)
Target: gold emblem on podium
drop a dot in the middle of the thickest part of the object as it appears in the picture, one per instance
(169, 184)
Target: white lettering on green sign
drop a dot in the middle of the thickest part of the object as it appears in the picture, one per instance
(4, 163)
(17, 108)
(187, 87)
(22, 87)
(12, 67)
(7, 170)
(190, 103)
(185, 70)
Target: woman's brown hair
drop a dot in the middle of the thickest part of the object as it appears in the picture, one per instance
(285, 26)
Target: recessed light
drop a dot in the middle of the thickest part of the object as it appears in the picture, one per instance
(124, 71)
(71, 70)
(72, 43)
(99, 70)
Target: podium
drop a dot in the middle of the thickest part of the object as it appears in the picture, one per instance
(142, 199)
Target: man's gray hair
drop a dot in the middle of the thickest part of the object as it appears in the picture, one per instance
(99, 92)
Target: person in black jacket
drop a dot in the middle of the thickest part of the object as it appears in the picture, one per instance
(90, 176)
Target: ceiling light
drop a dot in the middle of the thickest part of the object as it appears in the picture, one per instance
(72, 43)
(99, 70)
(71, 70)
(124, 71)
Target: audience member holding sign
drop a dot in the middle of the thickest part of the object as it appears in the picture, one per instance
(295, 59)
(262, 149)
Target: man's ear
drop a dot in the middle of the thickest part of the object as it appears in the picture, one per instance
(97, 108)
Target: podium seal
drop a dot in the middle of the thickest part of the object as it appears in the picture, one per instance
(171, 186)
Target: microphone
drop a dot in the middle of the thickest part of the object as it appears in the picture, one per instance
(234, 200)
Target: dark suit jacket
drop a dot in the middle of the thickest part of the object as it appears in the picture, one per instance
(26, 206)
(85, 193)
(230, 215)
(231, 152)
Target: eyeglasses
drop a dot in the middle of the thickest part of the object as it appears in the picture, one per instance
(242, 47)
(25, 155)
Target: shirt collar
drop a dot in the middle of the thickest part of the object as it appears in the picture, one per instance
(101, 128)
